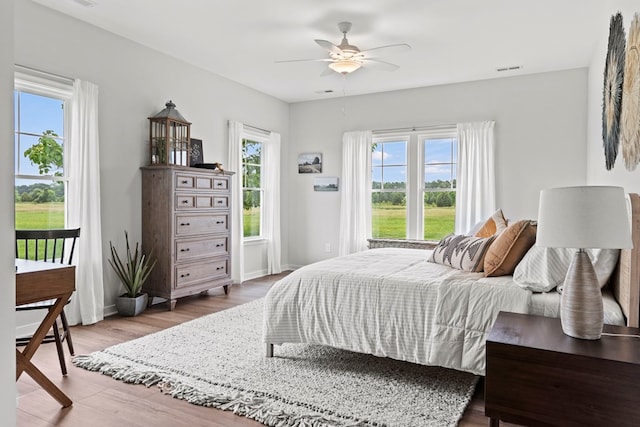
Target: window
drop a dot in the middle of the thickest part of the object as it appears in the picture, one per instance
(389, 188)
(252, 185)
(414, 184)
(440, 155)
(41, 128)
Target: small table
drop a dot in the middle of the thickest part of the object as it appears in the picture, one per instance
(41, 281)
(537, 375)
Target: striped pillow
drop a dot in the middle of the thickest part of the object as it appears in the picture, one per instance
(461, 252)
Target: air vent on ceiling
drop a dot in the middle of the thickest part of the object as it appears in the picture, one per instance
(511, 68)
(85, 3)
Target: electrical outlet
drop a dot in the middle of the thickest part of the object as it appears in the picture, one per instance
(327, 247)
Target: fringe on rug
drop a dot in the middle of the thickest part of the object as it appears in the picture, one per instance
(247, 405)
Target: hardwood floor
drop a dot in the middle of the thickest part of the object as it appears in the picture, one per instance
(100, 401)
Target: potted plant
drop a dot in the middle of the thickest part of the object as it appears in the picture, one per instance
(132, 270)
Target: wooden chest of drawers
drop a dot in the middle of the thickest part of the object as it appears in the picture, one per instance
(186, 220)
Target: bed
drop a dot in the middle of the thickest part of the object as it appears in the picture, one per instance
(391, 302)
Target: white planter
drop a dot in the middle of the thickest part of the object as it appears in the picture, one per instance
(127, 306)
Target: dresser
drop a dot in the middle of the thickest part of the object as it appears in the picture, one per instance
(186, 222)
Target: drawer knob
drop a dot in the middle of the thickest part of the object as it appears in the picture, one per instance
(185, 275)
(185, 201)
(219, 268)
(219, 245)
(184, 224)
(184, 250)
(184, 181)
(220, 184)
(220, 202)
(219, 222)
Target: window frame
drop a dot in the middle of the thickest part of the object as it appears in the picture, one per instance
(255, 136)
(43, 84)
(415, 188)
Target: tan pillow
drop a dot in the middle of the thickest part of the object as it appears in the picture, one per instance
(509, 248)
(496, 224)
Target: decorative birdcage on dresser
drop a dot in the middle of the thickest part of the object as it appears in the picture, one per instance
(169, 137)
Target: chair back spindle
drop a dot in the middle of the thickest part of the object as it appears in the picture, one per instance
(55, 245)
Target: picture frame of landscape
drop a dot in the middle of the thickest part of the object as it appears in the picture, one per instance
(310, 163)
(329, 183)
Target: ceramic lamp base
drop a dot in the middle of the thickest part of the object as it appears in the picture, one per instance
(581, 303)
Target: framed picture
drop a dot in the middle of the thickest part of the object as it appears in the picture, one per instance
(329, 183)
(196, 152)
(310, 163)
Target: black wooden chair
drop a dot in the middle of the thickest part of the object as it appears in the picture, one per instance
(56, 246)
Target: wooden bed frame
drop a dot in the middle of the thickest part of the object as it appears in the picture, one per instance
(626, 280)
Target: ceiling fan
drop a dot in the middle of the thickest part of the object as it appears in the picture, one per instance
(346, 58)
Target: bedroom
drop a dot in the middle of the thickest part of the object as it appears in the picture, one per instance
(533, 113)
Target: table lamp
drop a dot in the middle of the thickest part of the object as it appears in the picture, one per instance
(581, 218)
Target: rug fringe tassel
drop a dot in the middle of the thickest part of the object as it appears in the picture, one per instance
(249, 406)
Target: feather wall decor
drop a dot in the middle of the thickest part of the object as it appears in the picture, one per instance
(630, 117)
(612, 92)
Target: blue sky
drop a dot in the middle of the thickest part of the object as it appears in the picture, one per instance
(35, 114)
(393, 156)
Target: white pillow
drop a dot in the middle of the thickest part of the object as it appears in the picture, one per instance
(543, 269)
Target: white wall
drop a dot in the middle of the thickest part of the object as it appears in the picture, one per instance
(596, 171)
(135, 82)
(7, 274)
(540, 138)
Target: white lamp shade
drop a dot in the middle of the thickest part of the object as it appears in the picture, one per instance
(584, 217)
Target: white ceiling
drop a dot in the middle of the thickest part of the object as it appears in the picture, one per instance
(452, 40)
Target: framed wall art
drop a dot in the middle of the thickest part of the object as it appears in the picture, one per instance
(310, 163)
(329, 183)
(196, 152)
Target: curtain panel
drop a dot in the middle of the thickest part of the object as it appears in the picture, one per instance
(271, 232)
(476, 188)
(237, 234)
(87, 303)
(355, 201)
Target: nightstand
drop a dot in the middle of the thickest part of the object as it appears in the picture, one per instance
(537, 375)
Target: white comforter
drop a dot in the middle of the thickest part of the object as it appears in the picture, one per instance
(391, 303)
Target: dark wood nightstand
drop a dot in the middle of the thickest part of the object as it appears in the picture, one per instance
(537, 375)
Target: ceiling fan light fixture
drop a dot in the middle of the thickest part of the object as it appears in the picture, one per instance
(345, 66)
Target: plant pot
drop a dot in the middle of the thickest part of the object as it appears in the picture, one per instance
(128, 306)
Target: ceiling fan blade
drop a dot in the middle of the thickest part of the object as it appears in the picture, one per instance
(376, 64)
(327, 45)
(386, 50)
(305, 60)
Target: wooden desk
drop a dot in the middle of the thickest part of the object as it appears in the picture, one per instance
(41, 281)
(537, 375)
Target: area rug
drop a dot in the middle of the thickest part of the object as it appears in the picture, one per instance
(219, 360)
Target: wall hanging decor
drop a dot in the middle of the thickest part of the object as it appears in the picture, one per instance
(630, 116)
(612, 93)
(329, 183)
(310, 163)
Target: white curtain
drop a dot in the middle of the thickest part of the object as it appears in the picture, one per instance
(271, 185)
(476, 188)
(355, 201)
(237, 234)
(83, 168)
